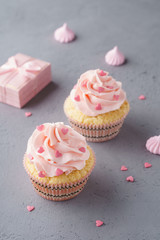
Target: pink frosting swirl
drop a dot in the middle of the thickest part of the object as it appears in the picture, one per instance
(55, 148)
(96, 92)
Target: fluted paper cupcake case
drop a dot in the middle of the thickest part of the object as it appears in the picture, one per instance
(97, 133)
(58, 192)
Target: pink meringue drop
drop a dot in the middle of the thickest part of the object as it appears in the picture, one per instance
(114, 57)
(153, 144)
(64, 34)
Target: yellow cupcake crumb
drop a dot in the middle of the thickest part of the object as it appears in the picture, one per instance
(106, 118)
(74, 176)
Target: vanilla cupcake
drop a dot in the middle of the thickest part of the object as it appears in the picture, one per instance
(58, 161)
(97, 106)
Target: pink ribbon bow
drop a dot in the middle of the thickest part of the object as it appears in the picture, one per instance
(28, 69)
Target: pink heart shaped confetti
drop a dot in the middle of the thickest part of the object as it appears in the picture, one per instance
(40, 150)
(98, 106)
(64, 131)
(28, 114)
(147, 165)
(82, 149)
(124, 168)
(84, 84)
(30, 208)
(110, 87)
(100, 89)
(142, 97)
(102, 73)
(58, 154)
(30, 156)
(116, 97)
(77, 98)
(130, 179)
(99, 223)
(40, 127)
(41, 174)
(59, 172)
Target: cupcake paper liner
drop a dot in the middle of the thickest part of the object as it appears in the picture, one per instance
(58, 192)
(98, 133)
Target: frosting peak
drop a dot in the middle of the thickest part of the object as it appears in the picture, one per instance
(96, 92)
(55, 148)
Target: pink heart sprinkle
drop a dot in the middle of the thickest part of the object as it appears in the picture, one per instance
(28, 114)
(41, 174)
(124, 168)
(110, 87)
(147, 165)
(84, 84)
(30, 208)
(40, 127)
(98, 106)
(130, 179)
(64, 131)
(142, 97)
(82, 149)
(58, 154)
(100, 89)
(116, 97)
(59, 172)
(99, 223)
(40, 150)
(101, 73)
(77, 98)
(30, 156)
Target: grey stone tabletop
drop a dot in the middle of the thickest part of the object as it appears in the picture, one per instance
(130, 211)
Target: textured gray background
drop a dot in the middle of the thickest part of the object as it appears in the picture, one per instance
(130, 211)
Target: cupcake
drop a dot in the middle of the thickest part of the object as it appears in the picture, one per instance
(97, 106)
(58, 161)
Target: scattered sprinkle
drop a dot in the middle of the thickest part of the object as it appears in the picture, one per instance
(124, 168)
(40, 127)
(59, 172)
(102, 73)
(41, 174)
(130, 179)
(110, 87)
(84, 84)
(58, 154)
(28, 114)
(40, 150)
(30, 208)
(64, 130)
(100, 89)
(82, 149)
(77, 98)
(99, 223)
(147, 165)
(30, 156)
(116, 97)
(98, 106)
(142, 97)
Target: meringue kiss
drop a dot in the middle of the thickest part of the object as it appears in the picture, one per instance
(64, 34)
(153, 144)
(114, 57)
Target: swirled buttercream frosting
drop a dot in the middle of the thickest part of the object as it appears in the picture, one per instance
(55, 148)
(96, 93)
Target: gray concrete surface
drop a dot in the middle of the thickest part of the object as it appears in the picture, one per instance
(130, 211)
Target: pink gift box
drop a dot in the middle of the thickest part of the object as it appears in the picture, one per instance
(21, 78)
